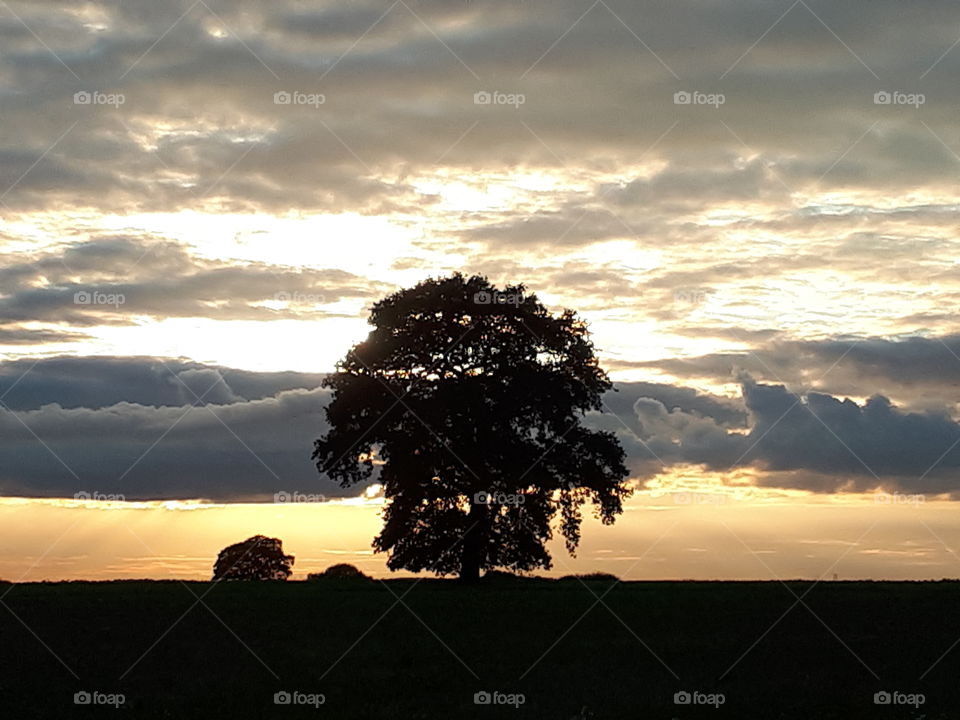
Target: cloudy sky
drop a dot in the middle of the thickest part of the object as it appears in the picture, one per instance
(752, 203)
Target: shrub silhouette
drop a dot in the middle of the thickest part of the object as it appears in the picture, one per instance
(256, 558)
(593, 577)
(340, 571)
(472, 400)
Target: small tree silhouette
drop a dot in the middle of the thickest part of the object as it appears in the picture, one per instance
(256, 558)
(340, 571)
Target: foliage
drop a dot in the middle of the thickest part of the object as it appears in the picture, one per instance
(470, 400)
(340, 571)
(256, 558)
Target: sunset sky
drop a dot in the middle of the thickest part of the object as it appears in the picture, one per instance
(753, 204)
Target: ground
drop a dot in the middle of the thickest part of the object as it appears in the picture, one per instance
(427, 654)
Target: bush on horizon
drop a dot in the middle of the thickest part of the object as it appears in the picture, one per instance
(340, 571)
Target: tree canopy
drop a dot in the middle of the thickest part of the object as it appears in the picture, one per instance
(468, 401)
(256, 558)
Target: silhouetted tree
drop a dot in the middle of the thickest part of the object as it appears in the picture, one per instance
(256, 558)
(470, 400)
(340, 571)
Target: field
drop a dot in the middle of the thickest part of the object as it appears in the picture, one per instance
(427, 654)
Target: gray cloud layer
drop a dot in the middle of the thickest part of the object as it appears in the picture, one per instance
(798, 99)
(812, 441)
(127, 426)
(158, 278)
(920, 372)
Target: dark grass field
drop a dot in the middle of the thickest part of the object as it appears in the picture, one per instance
(570, 656)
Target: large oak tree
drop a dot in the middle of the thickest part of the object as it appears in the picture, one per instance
(470, 401)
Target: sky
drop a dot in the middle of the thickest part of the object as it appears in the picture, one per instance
(753, 205)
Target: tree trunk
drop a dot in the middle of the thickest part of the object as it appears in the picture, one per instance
(474, 539)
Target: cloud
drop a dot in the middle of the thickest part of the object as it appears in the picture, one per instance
(810, 441)
(227, 452)
(920, 372)
(814, 228)
(160, 278)
(100, 382)
(866, 444)
(126, 425)
(623, 403)
(199, 122)
(24, 336)
(797, 170)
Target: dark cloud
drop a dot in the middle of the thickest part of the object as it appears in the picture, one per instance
(99, 415)
(867, 445)
(810, 441)
(154, 428)
(227, 452)
(623, 401)
(100, 382)
(136, 426)
(917, 371)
